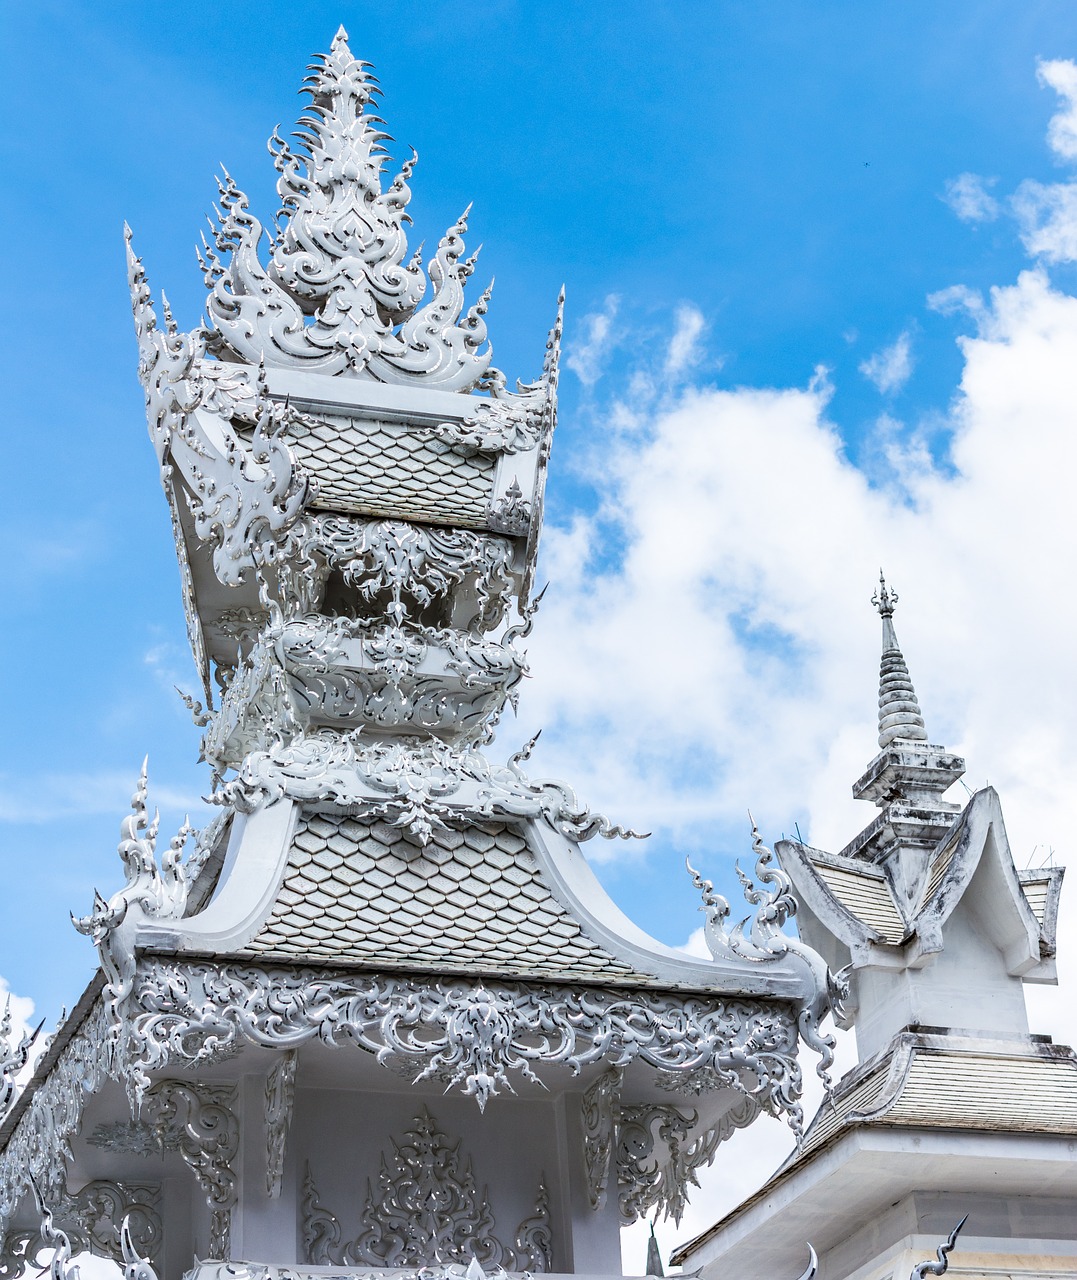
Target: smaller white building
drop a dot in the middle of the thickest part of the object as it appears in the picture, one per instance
(954, 1108)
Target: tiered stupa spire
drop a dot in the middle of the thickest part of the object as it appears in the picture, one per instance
(899, 711)
(908, 777)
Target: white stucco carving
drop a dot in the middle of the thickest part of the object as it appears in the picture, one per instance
(204, 1117)
(472, 1035)
(150, 891)
(426, 1204)
(279, 1101)
(14, 1056)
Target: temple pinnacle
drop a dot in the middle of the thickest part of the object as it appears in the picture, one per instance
(899, 712)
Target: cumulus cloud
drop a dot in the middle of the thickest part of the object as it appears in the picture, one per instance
(1047, 212)
(1061, 75)
(1047, 216)
(724, 654)
(891, 367)
(968, 196)
(587, 359)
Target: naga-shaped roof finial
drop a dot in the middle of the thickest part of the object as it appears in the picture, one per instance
(899, 712)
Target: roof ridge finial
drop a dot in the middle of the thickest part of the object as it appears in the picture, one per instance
(884, 600)
(899, 711)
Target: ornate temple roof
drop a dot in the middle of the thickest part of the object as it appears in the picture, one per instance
(356, 497)
(927, 1082)
(895, 885)
(862, 909)
(936, 931)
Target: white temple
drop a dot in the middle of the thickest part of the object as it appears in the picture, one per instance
(376, 1014)
(954, 1109)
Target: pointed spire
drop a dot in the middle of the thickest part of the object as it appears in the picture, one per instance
(654, 1255)
(899, 712)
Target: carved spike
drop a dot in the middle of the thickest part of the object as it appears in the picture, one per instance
(813, 1265)
(941, 1263)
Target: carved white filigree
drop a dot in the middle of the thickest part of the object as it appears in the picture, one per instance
(208, 1131)
(498, 426)
(40, 1143)
(409, 565)
(413, 784)
(321, 1229)
(279, 1100)
(511, 513)
(473, 1035)
(151, 891)
(60, 1266)
(92, 1220)
(135, 1266)
(135, 1137)
(14, 1056)
(771, 895)
(599, 1115)
(534, 1236)
(337, 295)
(646, 1178)
(426, 1208)
(654, 1150)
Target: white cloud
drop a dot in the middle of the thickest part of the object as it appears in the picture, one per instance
(1061, 75)
(684, 350)
(724, 654)
(958, 297)
(968, 196)
(587, 359)
(1047, 216)
(891, 367)
(1047, 212)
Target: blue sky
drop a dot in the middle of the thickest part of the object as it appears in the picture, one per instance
(768, 181)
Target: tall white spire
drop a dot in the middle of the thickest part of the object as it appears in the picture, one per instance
(899, 712)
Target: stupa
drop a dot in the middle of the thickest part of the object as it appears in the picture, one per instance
(376, 1014)
(955, 1109)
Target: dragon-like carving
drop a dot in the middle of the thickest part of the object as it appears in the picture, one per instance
(771, 895)
(150, 891)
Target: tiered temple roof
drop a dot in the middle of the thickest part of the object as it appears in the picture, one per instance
(954, 1108)
(356, 496)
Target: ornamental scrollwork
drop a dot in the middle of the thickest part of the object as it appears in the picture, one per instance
(39, 1147)
(646, 1179)
(14, 1057)
(534, 1236)
(651, 1150)
(511, 513)
(150, 891)
(426, 1207)
(476, 1036)
(339, 294)
(92, 1220)
(770, 893)
(279, 1101)
(496, 426)
(321, 1229)
(410, 566)
(411, 783)
(135, 1266)
(61, 1266)
(203, 1117)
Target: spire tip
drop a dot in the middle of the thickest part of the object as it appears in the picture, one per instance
(884, 600)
